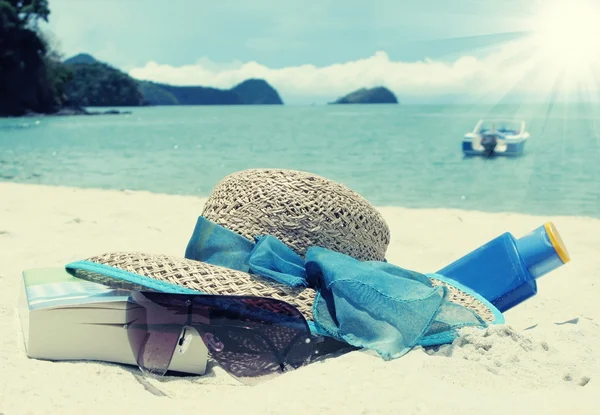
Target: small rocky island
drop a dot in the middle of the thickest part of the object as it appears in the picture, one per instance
(257, 92)
(377, 95)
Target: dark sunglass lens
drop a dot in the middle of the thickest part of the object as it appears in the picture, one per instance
(155, 322)
(252, 337)
(242, 353)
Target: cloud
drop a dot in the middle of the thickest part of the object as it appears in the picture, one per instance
(510, 68)
(417, 77)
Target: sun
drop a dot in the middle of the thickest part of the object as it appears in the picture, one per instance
(566, 33)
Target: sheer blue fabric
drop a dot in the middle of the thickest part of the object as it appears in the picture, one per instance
(372, 304)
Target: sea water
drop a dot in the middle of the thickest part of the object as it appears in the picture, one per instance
(398, 155)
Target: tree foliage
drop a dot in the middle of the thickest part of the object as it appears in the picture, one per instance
(25, 83)
(98, 84)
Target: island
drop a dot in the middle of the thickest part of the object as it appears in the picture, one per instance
(96, 83)
(377, 95)
(257, 92)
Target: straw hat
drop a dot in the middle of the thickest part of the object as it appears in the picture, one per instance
(299, 208)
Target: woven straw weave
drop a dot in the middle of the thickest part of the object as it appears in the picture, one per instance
(462, 298)
(209, 279)
(212, 279)
(301, 209)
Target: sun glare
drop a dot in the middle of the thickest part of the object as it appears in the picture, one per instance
(567, 33)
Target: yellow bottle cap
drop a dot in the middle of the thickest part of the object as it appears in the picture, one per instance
(557, 242)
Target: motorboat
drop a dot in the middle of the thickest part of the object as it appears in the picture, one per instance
(496, 137)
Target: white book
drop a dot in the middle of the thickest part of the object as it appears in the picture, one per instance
(67, 318)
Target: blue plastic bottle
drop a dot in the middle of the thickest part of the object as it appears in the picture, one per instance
(505, 269)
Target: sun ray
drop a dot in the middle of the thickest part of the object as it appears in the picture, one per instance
(566, 35)
(557, 54)
(476, 42)
(552, 95)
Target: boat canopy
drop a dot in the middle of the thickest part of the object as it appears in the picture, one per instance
(509, 127)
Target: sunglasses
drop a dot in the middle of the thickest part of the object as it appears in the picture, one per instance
(252, 338)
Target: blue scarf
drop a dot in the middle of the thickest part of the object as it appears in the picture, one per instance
(371, 304)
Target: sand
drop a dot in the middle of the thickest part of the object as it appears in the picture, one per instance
(544, 360)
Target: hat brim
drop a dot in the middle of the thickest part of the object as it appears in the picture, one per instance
(138, 270)
(180, 275)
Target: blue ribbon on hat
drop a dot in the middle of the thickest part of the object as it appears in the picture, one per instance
(370, 304)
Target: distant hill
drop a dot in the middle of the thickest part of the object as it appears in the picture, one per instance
(163, 94)
(257, 92)
(377, 95)
(156, 94)
(81, 58)
(249, 92)
(94, 83)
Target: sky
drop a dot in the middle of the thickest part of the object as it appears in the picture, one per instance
(313, 51)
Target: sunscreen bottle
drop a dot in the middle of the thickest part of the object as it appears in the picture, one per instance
(505, 269)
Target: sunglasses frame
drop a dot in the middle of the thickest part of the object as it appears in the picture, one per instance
(252, 308)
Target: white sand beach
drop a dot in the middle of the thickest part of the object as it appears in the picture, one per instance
(544, 360)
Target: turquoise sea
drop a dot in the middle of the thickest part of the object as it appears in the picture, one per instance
(397, 155)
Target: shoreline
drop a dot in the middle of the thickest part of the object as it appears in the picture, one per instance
(378, 206)
(70, 112)
(543, 357)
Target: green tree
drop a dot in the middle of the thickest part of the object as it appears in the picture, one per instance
(28, 12)
(59, 75)
(24, 78)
